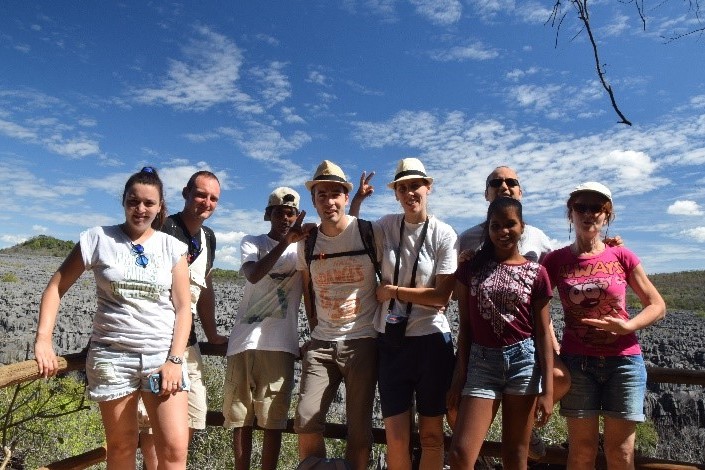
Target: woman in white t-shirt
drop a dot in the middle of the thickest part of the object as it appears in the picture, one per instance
(415, 348)
(140, 327)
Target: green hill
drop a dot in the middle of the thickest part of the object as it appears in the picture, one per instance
(681, 291)
(41, 245)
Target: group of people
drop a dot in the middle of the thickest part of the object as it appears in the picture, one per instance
(375, 296)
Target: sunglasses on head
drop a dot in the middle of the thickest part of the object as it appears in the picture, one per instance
(497, 182)
(585, 208)
(140, 258)
(194, 249)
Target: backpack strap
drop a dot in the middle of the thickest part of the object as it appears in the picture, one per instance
(367, 235)
(210, 247)
(309, 245)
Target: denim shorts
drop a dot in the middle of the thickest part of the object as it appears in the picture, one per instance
(422, 366)
(611, 386)
(511, 370)
(113, 373)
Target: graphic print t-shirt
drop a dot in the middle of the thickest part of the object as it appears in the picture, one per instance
(345, 286)
(135, 312)
(267, 318)
(500, 297)
(593, 287)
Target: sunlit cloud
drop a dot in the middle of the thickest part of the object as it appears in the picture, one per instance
(685, 207)
(697, 234)
(441, 12)
(475, 51)
(207, 75)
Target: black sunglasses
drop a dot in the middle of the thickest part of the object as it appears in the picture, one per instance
(497, 182)
(140, 259)
(591, 208)
(194, 249)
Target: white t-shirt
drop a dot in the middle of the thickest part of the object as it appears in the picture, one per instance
(437, 256)
(267, 319)
(344, 287)
(533, 244)
(135, 312)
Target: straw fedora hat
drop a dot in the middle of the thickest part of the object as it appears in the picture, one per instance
(409, 168)
(328, 171)
(281, 197)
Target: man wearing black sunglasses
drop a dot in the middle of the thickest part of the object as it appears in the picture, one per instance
(201, 195)
(504, 182)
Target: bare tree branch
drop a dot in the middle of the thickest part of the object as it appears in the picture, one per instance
(584, 16)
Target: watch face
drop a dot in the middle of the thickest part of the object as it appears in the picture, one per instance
(175, 359)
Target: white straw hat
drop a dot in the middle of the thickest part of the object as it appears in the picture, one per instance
(409, 168)
(328, 171)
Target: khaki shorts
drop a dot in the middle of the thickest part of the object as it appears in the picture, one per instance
(258, 384)
(325, 365)
(197, 405)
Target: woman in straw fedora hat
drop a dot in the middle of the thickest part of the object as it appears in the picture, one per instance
(415, 347)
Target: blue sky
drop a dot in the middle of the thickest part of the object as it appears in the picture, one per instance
(261, 92)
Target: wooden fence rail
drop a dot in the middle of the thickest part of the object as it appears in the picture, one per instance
(27, 370)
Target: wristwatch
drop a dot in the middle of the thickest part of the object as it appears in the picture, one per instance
(175, 359)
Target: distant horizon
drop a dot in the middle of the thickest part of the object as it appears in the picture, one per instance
(19, 246)
(261, 92)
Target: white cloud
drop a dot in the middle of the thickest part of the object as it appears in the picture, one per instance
(488, 9)
(458, 151)
(475, 51)
(16, 131)
(39, 228)
(74, 148)
(290, 116)
(684, 208)
(314, 76)
(697, 234)
(24, 48)
(441, 12)
(12, 240)
(517, 74)
(698, 102)
(555, 101)
(272, 41)
(276, 86)
(616, 27)
(206, 76)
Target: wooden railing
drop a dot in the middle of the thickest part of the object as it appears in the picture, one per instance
(27, 370)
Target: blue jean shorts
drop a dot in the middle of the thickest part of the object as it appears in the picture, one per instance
(113, 373)
(611, 386)
(511, 370)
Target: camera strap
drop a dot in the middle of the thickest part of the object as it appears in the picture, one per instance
(422, 239)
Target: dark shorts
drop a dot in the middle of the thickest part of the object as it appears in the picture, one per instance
(422, 365)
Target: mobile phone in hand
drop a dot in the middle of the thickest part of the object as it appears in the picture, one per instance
(155, 382)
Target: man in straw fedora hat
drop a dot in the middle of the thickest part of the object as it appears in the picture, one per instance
(264, 342)
(338, 268)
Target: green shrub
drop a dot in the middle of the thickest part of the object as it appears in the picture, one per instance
(46, 421)
(9, 277)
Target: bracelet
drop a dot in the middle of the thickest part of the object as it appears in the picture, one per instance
(396, 294)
